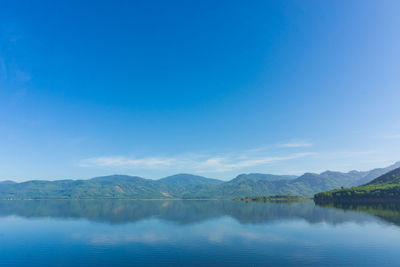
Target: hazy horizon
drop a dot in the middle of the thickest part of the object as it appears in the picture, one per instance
(210, 177)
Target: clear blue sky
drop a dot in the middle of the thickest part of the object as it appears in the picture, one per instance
(216, 88)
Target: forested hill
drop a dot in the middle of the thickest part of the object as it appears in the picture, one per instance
(188, 186)
(384, 188)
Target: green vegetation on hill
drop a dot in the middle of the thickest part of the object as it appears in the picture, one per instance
(187, 186)
(383, 188)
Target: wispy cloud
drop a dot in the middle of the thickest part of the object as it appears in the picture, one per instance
(119, 161)
(394, 136)
(296, 144)
(193, 163)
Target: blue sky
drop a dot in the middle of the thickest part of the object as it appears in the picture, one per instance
(216, 88)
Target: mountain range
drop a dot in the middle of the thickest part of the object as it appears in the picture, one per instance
(384, 188)
(188, 186)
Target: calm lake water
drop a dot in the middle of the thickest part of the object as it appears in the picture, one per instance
(196, 233)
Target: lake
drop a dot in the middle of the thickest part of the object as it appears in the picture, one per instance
(196, 233)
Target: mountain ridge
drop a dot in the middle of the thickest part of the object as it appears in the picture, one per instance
(383, 188)
(188, 186)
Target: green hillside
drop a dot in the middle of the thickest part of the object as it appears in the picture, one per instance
(384, 188)
(187, 186)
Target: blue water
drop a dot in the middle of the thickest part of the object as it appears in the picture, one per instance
(196, 233)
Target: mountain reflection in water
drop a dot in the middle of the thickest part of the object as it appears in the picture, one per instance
(194, 211)
(196, 233)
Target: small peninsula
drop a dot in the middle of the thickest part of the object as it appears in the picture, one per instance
(275, 198)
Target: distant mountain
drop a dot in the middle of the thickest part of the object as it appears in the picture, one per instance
(370, 175)
(261, 176)
(305, 185)
(188, 186)
(385, 187)
(184, 179)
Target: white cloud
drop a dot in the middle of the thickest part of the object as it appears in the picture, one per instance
(192, 162)
(296, 144)
(395, 136)
(119, 161)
